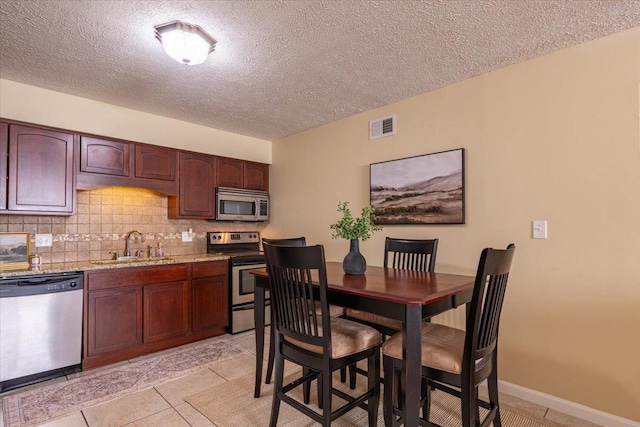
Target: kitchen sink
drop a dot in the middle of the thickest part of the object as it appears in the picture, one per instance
(128, 259)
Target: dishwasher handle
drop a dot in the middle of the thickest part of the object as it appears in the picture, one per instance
(45, 284)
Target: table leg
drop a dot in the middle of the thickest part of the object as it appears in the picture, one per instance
(411, 357)
(258, 318)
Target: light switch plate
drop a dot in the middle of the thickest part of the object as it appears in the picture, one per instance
(44, 240)
(187, 237)
(539, 229)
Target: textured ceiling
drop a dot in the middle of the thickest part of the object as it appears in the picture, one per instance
(283, 67)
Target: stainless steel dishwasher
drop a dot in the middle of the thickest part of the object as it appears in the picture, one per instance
(40, 327)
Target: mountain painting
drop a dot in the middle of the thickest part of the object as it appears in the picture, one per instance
(427, 189)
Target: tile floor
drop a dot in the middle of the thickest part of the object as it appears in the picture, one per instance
(164, 404)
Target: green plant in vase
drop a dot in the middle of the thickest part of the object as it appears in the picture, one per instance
(354, 229)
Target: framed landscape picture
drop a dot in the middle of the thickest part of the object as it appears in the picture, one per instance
(427, 189)
(14, 251)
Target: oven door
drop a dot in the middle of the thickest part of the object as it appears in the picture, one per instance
(243, 283)
(242, 317)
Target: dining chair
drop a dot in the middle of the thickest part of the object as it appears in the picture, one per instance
(289, 241)
(454, 358)
(404, 254)
(321, 344)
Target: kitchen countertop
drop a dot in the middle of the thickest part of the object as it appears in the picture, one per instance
(62, 267)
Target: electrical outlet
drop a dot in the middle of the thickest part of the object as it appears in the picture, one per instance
(187, 236)
(44, 240)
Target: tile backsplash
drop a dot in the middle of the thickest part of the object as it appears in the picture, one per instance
(105, 216)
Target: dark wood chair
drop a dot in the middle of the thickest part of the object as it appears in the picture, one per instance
(405, 254)
(454, 358)
(321, 344)
(290, 241)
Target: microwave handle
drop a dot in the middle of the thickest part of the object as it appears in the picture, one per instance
(256, 207)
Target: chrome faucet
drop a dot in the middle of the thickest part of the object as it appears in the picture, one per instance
(127, 241)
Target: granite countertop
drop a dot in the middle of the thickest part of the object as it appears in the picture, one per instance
(63, 267)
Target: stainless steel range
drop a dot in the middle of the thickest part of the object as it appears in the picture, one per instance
(243, 248)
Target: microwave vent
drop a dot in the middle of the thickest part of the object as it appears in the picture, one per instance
(385, 126)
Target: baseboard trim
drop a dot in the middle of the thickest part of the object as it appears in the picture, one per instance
(565, 406)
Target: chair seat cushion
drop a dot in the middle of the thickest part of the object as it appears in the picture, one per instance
(347, 337)
(373, 318)
(442, 347)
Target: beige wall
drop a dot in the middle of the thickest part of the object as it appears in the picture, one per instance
(555, 138)
(40, 106)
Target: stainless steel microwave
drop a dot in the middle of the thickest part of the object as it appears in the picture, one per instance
(233, 204)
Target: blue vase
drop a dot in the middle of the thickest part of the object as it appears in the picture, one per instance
(354, 263)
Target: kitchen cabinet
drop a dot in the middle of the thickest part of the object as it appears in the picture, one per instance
(210, 296)
(116, 320)
(237, 173)
(255, 176)
(139, 310)
(196, 193)
(166, 311)
(39, 171)
(106, 162)
(4, 150)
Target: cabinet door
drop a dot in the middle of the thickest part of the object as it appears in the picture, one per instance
(166, 311)
(196, 196)
(255, 176)
(40, 170)
(114, 320)
(156, 162)
(210, 303)
(4, 151)
(104, 157)
(229, 172)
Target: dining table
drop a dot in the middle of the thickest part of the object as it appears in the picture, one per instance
(406, 295)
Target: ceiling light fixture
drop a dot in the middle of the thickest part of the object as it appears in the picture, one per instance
(188, 44)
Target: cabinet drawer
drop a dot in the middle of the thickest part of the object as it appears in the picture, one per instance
(209, 269)
(114, 278)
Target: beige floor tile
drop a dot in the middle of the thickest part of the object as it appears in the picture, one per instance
(193, 417)
(166, 418)
(74, 420)
(175, 391)
(126, 409)
(567, 420)
(532, 409)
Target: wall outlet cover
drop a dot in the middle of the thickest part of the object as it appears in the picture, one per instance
(44, 240)
(187, 237)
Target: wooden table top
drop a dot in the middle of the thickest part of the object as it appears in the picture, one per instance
(394, 285)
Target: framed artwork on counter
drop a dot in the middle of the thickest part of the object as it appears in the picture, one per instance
(14, 251)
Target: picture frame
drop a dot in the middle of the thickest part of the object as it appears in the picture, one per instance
(14, 251)
(425, 189)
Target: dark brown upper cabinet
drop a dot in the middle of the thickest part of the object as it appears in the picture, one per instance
(39, 170)
(196, 195)
(229, 172)
(106, 162)
(156, 162)
(237, 173)
(4, 152)
(255, 176)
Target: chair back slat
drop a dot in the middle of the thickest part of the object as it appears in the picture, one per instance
(293, 297)
(486, 305)
(410, 254)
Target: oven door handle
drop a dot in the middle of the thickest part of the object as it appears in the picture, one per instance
(250, 306)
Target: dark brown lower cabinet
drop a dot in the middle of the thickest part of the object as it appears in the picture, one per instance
(210, 296)
(116, 320)
(140, 310)
(166, 311)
